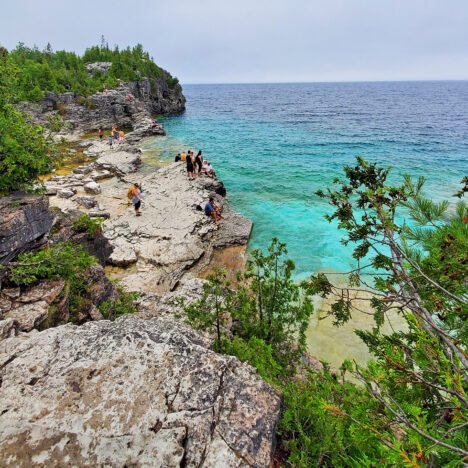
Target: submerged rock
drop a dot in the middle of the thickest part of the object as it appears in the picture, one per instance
(131, 392)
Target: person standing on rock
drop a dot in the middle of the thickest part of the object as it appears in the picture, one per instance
(199, 162)
(135, 194)
(190, 169)
(104, 89)
(100, 133)
(121, 136)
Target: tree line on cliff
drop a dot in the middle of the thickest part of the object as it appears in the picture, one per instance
(27, 74)
(61, 71)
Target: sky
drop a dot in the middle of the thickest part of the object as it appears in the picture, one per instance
(247, 41)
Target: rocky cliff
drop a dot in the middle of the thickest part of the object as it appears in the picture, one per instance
(130, 393)
(25, 221)
(129, 105)
(145, 390)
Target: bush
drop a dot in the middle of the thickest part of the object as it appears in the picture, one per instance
(124, 304)
(63, 71)
(87, 224)
(59, 261)
(172, 81)
(25, 153)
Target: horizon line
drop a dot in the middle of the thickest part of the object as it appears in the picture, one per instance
(424, 80)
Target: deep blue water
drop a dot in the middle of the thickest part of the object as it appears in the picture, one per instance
(274, 145)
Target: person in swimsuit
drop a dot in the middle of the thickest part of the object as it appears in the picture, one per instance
(189, 161)
(199, 162)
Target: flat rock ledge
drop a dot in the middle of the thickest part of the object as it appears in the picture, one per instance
(130, 393)
(172, 236)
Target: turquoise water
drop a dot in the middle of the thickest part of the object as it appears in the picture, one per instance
(274, 145)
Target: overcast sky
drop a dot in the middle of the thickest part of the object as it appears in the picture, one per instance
(215, 41)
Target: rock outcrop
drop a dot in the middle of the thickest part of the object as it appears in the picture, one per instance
(130, 393)
(47, 304)
(25, 220)
(130, 105)
(172, 236)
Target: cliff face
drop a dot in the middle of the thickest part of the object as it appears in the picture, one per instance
(127, 105)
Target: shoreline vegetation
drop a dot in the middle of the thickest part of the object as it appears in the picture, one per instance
(410, 407)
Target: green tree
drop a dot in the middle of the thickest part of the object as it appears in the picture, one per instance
(419, 270)
(25, 152)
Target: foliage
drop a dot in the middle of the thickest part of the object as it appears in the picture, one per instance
(419, 271)
(59, 261)
(62, 71)
(266, 304)
(25, 153)
(411, 409)
(85, 223)
(124, 304)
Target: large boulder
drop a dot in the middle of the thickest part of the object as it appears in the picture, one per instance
(131, 393)
(25, 220)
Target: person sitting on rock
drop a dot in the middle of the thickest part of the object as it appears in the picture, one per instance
(209, 171)
(212, 210)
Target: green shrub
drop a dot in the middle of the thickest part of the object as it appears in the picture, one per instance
(60, 261)
(124, 304)
(87, 224)
(25, 153)
(172, 81)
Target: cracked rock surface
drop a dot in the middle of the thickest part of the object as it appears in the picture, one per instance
(171, 236)
(130, 393)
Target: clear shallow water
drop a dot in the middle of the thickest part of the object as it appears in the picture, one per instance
(274, 145)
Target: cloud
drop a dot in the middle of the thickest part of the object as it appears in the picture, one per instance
(261, 40)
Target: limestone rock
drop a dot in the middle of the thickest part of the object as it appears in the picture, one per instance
(30, 308)
(67, 192)
(100, 67)
(171, 237)
(86, 202)
(131, 392)
(118, 162)
(83, 170)
(29, 315)
(8, 328)
(25, 220)
(153, 305)
(128, 105)
(93, 188)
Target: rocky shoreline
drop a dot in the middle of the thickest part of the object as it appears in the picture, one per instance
(173, 239)
(144, 390)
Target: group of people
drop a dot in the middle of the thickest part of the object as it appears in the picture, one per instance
(196, 165)
(115, 135)
(211, 208)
